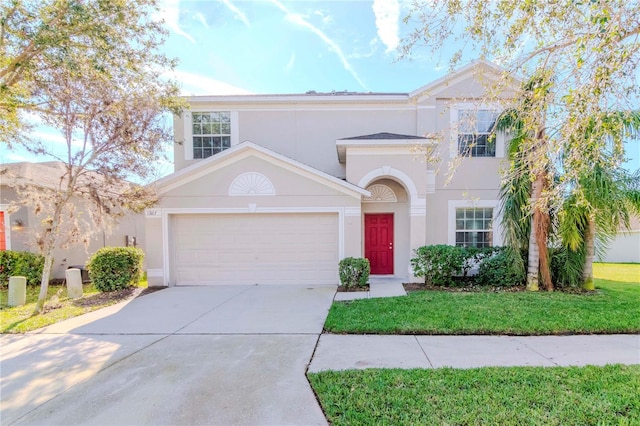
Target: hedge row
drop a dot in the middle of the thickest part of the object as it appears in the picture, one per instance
(20, 264)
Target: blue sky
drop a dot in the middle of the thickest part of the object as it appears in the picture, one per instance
(292, 46)
(275, 46)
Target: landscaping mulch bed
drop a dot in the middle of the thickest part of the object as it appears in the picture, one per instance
(466, 288)
(115, 296)
(344, 289)
(409, 287)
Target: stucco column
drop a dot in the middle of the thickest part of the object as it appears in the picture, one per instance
(353, 232)
(418, 223)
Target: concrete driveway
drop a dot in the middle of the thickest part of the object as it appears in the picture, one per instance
(180, 356)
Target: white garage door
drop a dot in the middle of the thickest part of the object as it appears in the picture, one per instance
(293, 249)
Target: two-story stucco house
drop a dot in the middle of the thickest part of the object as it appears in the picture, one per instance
(276, 189)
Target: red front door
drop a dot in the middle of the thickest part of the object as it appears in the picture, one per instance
(378, 242)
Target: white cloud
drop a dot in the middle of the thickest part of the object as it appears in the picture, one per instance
(200, 18)
(326, 18)
(289, 66)
(170, 13)
(373, 48)
(195, 84)
(387, 15)
(237, 12)
(302, 22)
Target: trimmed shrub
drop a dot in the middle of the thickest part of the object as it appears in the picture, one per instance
(20, 263)
(354, 272)
(115, 268)
(439, 264)
(500, 270)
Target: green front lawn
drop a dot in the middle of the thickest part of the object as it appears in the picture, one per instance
(613, 308)
(496, 396)
(20, 319)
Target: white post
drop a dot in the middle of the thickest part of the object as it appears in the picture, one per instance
(74, 283)
(17, 291)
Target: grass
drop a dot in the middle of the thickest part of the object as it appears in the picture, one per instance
(496, 396)
(20, 319)
(613, 308)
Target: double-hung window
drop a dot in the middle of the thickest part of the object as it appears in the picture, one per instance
(211, 133)
(474, 227)
(474, 132)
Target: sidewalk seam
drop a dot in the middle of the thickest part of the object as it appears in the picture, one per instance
(423, 351)
(535, 351)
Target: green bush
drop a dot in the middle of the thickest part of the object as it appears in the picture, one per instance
(446, 265)
(501, 270)
(115, 268)
(566, 267)
(354, 272)
(20, 263)
(439, 264)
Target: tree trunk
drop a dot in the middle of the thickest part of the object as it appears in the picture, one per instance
(44, 283)
(538, 238)
(587, 270)
(48, 244)
(533, 261)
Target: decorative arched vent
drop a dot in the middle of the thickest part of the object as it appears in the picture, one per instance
(251, 183)
(380, 194)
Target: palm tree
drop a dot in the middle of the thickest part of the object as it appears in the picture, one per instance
(525, 210)
(601, 202)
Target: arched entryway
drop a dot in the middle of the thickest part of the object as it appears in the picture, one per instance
(386, 227)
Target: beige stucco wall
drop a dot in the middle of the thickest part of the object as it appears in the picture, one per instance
(23, 239)
(210, 194)
(306, 133)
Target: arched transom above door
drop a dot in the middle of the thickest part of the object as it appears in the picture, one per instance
(380, 194)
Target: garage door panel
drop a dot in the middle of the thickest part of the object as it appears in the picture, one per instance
(256, 248)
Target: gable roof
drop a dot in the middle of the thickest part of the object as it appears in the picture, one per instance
(383, 136)
(246, 149)
(477, 67)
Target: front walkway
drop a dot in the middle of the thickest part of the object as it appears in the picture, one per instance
(379, 286)
(342, 352)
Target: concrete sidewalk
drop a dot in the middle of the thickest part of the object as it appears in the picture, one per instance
(343, 352)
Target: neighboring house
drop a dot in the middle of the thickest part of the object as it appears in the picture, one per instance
(625, 247)
(276, 189)
(18, 227)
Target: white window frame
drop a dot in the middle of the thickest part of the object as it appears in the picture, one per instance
(454, 205)
(188, 129)
(454, 123)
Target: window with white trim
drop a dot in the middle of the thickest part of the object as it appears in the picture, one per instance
(211, 133)
(474, 227)
(474, 132)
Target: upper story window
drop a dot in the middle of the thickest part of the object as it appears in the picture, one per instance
(211, 133)
(474, 227)
(474, 132)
